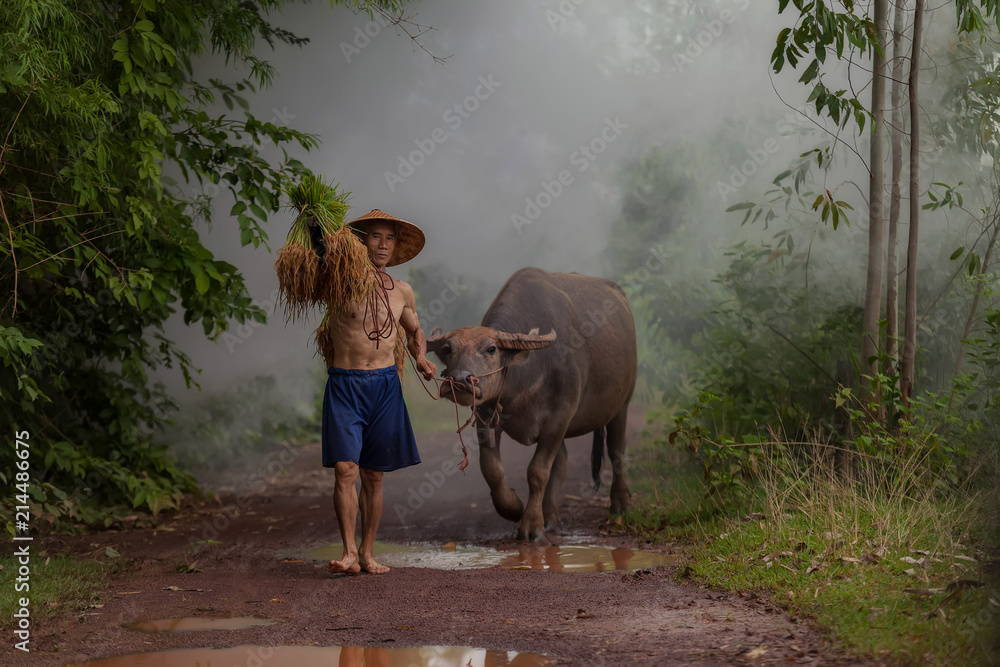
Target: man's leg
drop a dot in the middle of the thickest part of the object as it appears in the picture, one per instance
(371, 514)
(345, 503)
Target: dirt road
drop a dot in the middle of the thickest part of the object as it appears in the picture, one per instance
(248, 556)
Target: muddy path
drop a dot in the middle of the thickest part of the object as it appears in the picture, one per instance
(247, 555)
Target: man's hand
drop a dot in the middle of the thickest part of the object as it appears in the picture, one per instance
(426, 368)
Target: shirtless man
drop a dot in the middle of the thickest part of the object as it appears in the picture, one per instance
(366, 428)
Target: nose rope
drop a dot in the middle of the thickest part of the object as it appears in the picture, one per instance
(473, 380)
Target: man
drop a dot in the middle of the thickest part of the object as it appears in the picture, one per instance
(366, 428)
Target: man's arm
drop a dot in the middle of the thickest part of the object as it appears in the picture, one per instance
(416, 341)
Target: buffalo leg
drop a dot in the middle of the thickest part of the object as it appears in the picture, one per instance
(506, 502)
(550, 504)
(621, 498)
(539, 470)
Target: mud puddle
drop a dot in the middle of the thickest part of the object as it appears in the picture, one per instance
(319, 656)
(192, 624)
(451, 556)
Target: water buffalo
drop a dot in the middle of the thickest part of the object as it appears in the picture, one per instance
(577, 378)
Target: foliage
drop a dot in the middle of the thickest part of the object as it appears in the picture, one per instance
(100, 246)
(225, 429)
(768, 344)
(820, 30)
(837, 538)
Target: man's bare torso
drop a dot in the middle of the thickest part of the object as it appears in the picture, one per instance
(352, 346)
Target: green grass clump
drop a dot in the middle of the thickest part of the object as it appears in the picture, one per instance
(875, 557)
(57, 585)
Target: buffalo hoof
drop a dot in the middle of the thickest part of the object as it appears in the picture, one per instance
(620, 505)
(529, 532)
(552, 524)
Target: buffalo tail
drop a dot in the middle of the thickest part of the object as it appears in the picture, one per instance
(597, 456)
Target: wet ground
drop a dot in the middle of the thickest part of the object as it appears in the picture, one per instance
(460, 586)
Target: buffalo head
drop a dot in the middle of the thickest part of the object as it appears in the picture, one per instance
(474, 359)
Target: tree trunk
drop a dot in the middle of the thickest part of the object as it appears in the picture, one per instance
(876, 186)
(910, 325)
(896, 131)
(970, 320)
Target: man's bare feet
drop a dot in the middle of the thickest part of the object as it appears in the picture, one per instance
(348, 564)
(371, 567)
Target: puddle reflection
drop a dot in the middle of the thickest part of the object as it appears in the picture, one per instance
(562, 558)
(582, 559)
(317, 656)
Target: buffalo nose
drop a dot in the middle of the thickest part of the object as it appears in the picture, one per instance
(461, 378)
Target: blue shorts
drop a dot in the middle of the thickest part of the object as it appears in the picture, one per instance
(365, 420)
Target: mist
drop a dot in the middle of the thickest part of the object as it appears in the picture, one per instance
(471, 149)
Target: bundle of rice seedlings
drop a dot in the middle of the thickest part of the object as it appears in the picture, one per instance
(347, 275)
(344, 274)
(297, 266)
(324, 340)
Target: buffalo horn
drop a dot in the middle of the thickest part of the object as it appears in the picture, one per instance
(515, 341)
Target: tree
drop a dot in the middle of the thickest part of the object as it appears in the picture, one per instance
(896, 133)
(96, 98)
(910, 317)
(876, 185)
(817, 29)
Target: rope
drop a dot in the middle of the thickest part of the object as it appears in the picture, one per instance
(378, 298)
(473, 380)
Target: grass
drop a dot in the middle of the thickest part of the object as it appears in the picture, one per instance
(877, 558)
(56, 585)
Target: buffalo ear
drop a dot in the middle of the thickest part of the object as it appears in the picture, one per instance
(436, 341)
(515, 357)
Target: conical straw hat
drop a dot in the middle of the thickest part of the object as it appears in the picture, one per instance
(409, 237)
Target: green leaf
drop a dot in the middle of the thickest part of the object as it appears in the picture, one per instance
(811, 72)
(201, 281)
(958, 253)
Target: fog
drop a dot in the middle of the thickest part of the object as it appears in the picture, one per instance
(503, 132)
(507, 153)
